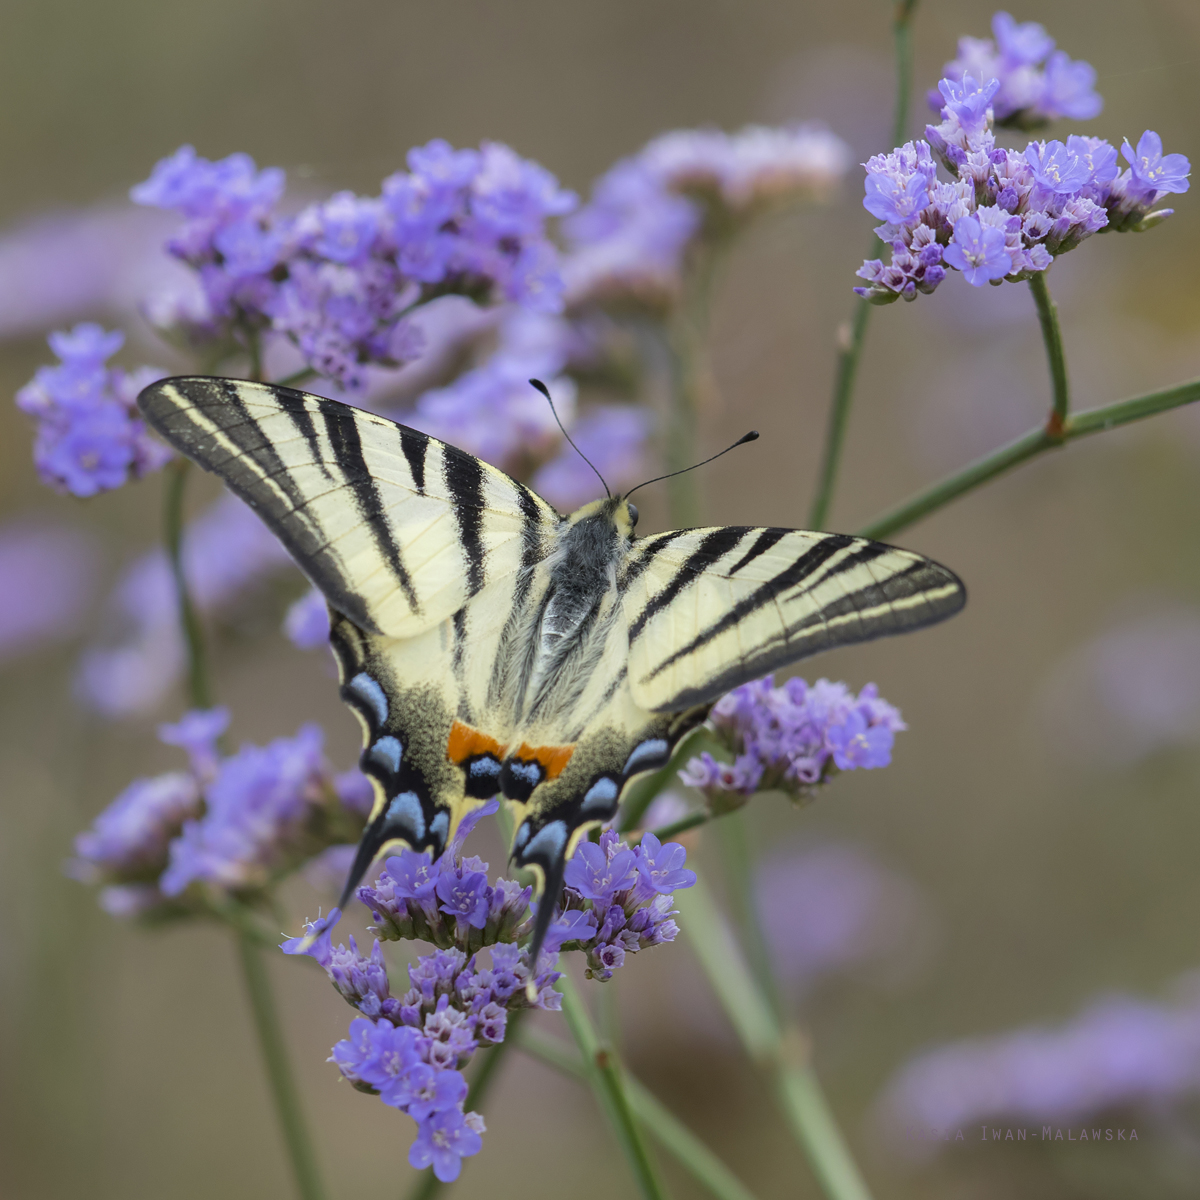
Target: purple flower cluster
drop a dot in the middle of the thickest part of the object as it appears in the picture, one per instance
(1005, 214)
(1119, 1053)
(617, 900)
(90, 436)
(340, 278)
(792, 738)
(1036, 83)
(168, 843)
(627, 247)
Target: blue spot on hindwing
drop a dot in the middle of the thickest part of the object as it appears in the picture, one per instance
(388, 752)
(602, 795)
(371, 694)
(406, 813)
(548, 842)
(651, 753)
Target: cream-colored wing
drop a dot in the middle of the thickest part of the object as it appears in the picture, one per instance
(709, 609)
(397, 529)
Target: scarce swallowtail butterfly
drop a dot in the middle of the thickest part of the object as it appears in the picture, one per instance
(491, 646)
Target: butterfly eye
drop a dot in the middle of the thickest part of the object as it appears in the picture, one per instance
(633, 513)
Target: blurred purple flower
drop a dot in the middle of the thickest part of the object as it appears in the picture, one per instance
(256, 811)
(1033, 85)
(90, 436)
(834, 909)
(47, 578)
(197, 733)
(443, 1141)
(1119, 1052)
(307, 621)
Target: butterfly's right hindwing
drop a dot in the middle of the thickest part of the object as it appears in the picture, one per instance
(397, 529)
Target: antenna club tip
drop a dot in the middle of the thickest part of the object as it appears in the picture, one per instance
(752, 436)
(541, 387)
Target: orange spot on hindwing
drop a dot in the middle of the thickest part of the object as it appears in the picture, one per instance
(527, 766)
(480, 757)
(552, 758)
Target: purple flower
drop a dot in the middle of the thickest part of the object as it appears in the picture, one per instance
(361, 981)
(978, 251)
(90, 437)
(1154, 171)
(443, 1141)
(1068, 90)
(970, 101)
(1023, 44)
(1056, 168)
(465, 897)
(894, 200)
(307, 622)
(597, 877)
(424, 1091)
(661, 867)
(856, 744)
(197, 733)
(128, 841)
(317, 940)
(257, 811)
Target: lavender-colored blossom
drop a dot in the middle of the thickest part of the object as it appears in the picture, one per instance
(1155, 172)
(257, 809)
(466, 898)
(1119, 1052)
(597, 877)
(443, 1141)
(307, 621)
(317, 940)
(197, 733)
(792, 737)
(969, 101)
(661, 867)
(1056, 168)
(129, 840)
(47, 579)
(978, 251)
(90, 436)
(833, 909)
(1035, 82)
(896, 201)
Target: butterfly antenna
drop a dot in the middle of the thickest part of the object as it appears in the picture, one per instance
(752, 436)
(541, 387)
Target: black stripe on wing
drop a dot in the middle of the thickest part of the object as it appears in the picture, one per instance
(464, 481)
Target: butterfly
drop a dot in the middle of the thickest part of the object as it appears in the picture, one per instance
(490, 645)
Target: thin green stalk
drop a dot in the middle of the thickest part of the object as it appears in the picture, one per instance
(279, 1072)
(429, 1184)
(691, 821)
(608, 1084)
(852, 335)
(254, 353)
(1052, 336)
(1028, 446)
(199, 690)
(783, 1052)
(296, 378)
(674, 1136)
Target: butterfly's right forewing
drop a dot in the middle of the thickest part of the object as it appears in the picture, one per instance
(709, 609)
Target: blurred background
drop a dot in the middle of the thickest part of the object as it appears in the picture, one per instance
(1031, 847)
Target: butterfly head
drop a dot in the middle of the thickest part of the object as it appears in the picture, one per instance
(613, 511)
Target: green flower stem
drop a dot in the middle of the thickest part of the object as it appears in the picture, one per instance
(430, 1185)
(691, 821)
(199, 689)
(852, 335)
(609, 1085)
(1028, 446)
(279, 1072)
(1057, 359)
(247, 933)
(296, 378)
(674, 1136)
(783, 1052)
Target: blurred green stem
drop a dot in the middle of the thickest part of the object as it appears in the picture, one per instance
(692, 1154)
(296, 378)
(783, 1052)
(430, 1185)
(199, 691)
(279, 1072)
(853, 333)
(605, 1075)
(1076, 425)
(1056, 358)
(246, 932)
